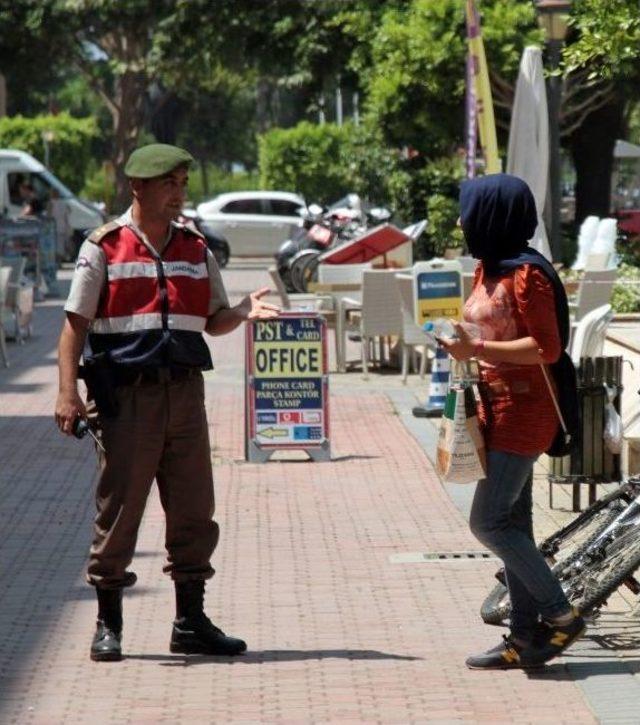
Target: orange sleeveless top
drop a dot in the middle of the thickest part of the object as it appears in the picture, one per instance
(517, 411)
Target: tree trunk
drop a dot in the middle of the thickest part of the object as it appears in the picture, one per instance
(263, 113)
(204, 176)
(592, 150)
(165, 111)
(128, 119)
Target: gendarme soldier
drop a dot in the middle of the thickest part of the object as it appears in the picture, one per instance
(144, 290)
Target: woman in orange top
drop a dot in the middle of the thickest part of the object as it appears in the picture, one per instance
(519, 305)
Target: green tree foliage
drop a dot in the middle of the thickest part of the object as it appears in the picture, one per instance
(416, 79)
(325, 162)
(306, 159)
(69, 144)
(626, 292)
(607, 39)
(439, 185)
(122, 48)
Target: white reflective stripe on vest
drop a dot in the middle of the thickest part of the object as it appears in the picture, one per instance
(146, 321)
(132, 270)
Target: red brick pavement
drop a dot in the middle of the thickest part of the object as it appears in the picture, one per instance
(336, 631)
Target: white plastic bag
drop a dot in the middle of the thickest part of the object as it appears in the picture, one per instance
(612, 423)
(460, 457)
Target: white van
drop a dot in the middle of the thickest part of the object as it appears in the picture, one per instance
(18, 166)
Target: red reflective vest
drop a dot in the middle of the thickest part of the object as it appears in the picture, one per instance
(153, 309)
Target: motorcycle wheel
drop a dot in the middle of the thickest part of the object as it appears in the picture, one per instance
(310, 271)
(297, 267)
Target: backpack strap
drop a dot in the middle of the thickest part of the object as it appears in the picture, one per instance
(555, 400)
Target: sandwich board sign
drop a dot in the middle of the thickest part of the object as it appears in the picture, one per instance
(437, 290)
(287, 386)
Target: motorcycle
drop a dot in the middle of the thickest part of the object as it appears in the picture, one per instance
(298, 257)
(216, 242)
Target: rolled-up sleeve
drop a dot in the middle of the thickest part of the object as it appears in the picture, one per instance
(536, 303)
(88, 281)
(218, 295)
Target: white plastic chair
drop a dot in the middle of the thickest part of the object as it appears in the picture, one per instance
(594, 291)
(5, 273)
(18, 304)
(379, 313)
(412, 335)
(590, 333)
(468, 263)
(341, 273)
(596, 262)
(298, 300)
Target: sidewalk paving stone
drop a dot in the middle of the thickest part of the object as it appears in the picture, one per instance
(336, 631)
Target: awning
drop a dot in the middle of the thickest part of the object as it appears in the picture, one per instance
(373, 243)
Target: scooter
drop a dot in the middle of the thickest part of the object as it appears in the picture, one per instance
(322, 229)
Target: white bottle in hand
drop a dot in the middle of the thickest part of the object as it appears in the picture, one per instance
(441, 327)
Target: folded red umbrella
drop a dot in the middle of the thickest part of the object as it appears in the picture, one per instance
(373, 243)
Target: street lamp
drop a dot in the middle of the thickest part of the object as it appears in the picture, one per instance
(47, 138)
(552, 17)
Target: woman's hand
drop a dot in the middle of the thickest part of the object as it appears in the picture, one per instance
(462, 347)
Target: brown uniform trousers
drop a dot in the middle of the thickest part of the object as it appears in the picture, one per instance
(160, 432)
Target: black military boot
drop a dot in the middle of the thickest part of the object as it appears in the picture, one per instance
(193, 632)
(106, 641)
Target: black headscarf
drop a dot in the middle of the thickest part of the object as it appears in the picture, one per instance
(498, 217)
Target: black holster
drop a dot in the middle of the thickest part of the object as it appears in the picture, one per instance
(100, 378)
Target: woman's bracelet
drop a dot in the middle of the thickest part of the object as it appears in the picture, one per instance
(478, 348)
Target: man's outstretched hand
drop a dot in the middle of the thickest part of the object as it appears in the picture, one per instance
(253, 308)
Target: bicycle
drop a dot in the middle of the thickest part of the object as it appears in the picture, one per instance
(592, 556)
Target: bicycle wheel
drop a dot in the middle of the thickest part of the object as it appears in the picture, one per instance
(590, 582)
(496, 608)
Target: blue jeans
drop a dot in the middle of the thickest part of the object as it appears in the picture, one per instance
(501, 519)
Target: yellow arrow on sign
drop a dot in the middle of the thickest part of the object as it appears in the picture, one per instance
(274, 432)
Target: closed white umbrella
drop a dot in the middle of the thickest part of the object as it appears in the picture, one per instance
(528, 155)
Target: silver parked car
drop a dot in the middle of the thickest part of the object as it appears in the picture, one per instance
(255, 223)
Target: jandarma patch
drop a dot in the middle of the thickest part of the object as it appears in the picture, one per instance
(83, 262)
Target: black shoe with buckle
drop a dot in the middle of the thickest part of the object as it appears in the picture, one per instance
(506, 656)
(193, 632)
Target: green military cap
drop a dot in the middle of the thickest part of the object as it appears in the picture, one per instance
(155, 159)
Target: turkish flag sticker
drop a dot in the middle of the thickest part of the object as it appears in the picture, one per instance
(289, 417)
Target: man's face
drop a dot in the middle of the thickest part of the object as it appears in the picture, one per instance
(163, 196)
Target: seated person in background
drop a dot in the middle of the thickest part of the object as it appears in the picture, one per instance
(57, 209)
(31, 204)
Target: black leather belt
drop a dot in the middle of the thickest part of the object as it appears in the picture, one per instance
(155, 375)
